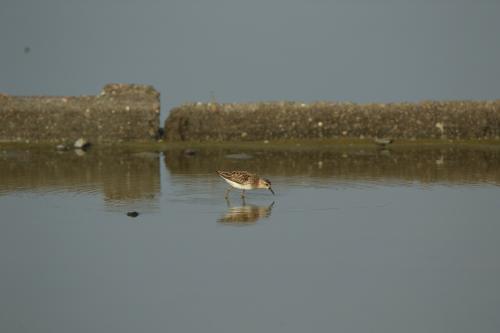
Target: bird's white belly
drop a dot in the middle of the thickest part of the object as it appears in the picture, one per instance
(240, 186)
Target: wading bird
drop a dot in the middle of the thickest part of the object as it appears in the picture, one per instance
(244, 180)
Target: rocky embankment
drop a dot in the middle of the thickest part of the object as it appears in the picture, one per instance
(131, 113)
(465, 120)
(120, 113)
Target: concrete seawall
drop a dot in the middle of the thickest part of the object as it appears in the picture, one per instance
(121, 112)
(289, 120)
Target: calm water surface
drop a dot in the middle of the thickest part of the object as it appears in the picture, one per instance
(358, 240)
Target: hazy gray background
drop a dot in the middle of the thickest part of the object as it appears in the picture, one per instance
(254, 50)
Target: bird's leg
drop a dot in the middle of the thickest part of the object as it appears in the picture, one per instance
(227, 192)
(243, 201)
(242, 194)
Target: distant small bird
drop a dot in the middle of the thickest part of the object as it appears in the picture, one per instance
(383, 141)
(190, 152)
(244, 180)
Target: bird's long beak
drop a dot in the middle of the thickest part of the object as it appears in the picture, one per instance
(270, 189)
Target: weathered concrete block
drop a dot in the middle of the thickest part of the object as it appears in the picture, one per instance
(121, 112)
(290, 120)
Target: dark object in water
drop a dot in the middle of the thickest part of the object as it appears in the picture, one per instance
(133, 214)
(190, 152)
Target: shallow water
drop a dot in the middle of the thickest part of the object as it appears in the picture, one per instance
(355, 240)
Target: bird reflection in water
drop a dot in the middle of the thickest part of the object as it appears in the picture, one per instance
(245, 214)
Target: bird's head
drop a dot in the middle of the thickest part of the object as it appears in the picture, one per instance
(265, 183)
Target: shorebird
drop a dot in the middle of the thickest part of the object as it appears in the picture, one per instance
(244, 180)
(382, 141)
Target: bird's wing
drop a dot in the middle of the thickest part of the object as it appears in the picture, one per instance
(224, 174)
(239, 177)
(242, 177)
